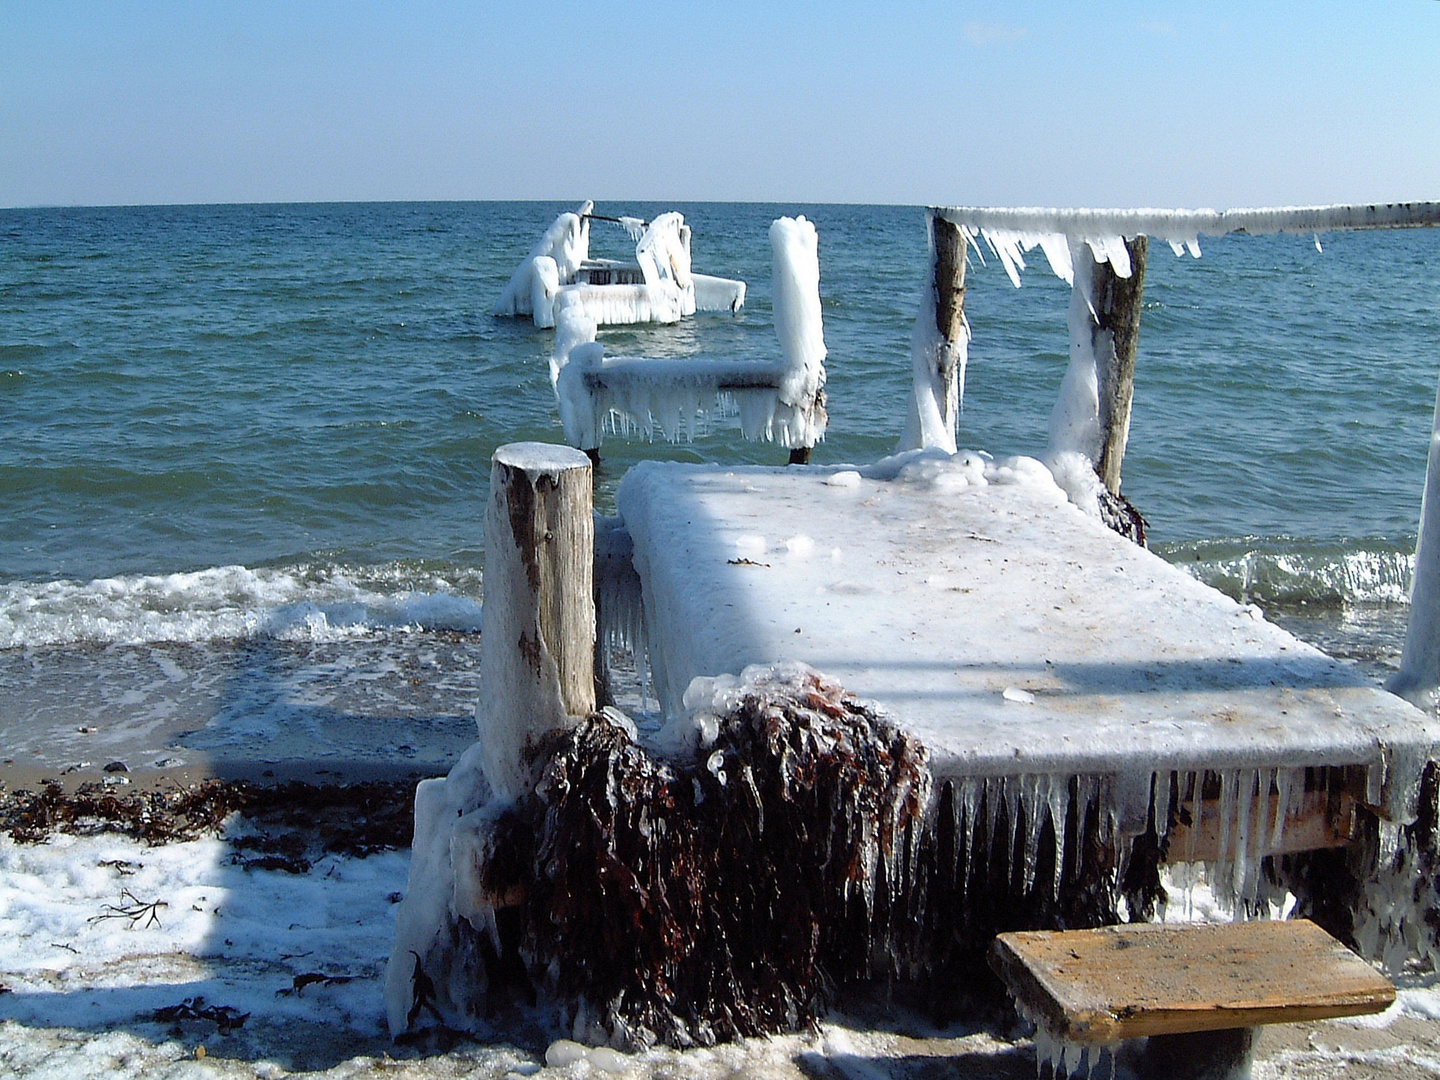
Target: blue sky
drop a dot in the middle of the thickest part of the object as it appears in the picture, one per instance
(1214, 104)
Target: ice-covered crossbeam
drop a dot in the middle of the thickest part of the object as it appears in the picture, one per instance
(1183, 224)
(1010, 231)
(781, 401)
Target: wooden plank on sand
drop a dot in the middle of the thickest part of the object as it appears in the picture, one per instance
(1123, 982)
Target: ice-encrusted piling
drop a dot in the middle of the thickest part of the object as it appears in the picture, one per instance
(939, 344)
(536, 677)
(1419, 677)
(949, 319)
(537, 669)
(1117, 301)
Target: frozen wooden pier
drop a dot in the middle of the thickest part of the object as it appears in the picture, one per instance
(906, 707)
(1009, 632)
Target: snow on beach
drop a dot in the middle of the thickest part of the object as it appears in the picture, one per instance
(302, 955)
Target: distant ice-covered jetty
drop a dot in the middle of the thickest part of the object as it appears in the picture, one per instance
(658, 286)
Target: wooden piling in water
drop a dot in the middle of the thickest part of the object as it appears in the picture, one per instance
(949, 311)
(1117, 302)
(537, 669)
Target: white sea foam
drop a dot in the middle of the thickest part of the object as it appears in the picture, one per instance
(304, 602)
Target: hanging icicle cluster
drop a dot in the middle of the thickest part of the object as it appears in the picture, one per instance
(802, 846)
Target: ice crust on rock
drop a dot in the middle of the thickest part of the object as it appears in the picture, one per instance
(680, 398)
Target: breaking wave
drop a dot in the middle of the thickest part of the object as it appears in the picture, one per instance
(1284, 572)
(304, 602)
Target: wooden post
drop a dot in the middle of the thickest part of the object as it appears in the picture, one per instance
(1117, 303)
(538, 623)
(949, 312)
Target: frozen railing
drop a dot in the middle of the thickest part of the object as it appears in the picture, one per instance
(1101, 254)
(553, 277)
(782, 401)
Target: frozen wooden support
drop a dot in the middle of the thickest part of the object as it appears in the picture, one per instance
(537, 668)
(1316, 820)
(949, 313)
(1117, 302)
(1419, 675)
(1097, 988)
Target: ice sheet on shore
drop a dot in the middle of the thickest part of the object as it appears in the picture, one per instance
(86, 1014)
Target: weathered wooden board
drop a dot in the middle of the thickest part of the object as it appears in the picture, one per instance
(1124, 982)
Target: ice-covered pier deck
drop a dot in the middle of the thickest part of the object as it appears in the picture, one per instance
(1006, 629)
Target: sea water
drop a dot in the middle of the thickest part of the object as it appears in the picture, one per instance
(244, 450)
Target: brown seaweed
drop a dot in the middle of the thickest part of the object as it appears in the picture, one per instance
(287, 823)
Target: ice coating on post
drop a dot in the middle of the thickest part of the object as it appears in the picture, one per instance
(426, 917)
(566, 243)
(681, 398)
(536, 676)
(938, 355)
(797, 317)
(1419, 675)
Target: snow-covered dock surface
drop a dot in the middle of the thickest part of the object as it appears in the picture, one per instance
(1006, 629)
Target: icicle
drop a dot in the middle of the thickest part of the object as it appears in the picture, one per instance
(993, 793)
(1229, 784)
(1240, 867)
(1165, 794)
(971, 791)
(1014, 797)
(1036, 789)
(1197, 802)
(1059, 801)
(1282, 806)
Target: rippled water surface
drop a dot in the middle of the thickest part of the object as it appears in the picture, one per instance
(228, 422)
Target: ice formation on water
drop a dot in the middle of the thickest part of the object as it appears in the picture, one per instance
(558, 275)
(679, 398)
